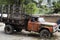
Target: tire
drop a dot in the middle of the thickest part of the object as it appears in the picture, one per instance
(8, 29)
(45, 34)
(18, 30)
(58, 28)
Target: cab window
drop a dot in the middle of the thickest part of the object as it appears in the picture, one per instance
(33, 20)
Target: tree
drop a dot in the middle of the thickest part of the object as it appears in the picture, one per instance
(10, 1)
(31, 8)
(56, 7)
(45, 10)
(3, 2)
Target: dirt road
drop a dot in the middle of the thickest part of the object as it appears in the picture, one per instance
(24, 35)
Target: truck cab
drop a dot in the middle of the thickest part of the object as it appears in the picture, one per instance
(38, 24)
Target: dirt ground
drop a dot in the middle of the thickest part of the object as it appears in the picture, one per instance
(24, 35)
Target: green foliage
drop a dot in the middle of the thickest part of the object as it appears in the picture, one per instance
(3, 2)
(40, 0)
(31, 8)
(28, 1)
(45, 10)
(10, 1)
(22, 1)
(56, 7)
(6, 2)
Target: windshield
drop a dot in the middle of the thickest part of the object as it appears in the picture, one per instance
(41, 20)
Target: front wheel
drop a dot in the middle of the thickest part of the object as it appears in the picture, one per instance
(45, 33)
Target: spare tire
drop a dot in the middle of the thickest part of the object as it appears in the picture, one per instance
(58, 28)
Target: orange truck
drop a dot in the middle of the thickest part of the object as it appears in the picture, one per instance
(45, 29)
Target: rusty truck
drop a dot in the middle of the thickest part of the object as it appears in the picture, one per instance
(19, 20)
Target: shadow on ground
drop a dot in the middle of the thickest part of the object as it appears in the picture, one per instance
(33, 35)
(30, 35)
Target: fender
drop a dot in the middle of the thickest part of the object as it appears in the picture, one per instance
(50, 29)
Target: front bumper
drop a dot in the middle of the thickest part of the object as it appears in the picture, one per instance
(54, 29)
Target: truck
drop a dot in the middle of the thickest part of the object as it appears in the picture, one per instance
(17, 21)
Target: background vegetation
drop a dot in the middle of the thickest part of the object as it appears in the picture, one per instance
(34, 7)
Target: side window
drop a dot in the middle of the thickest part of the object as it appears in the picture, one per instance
(33, 20)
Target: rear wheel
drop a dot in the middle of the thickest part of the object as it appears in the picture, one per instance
(45, 33)
(8, 29)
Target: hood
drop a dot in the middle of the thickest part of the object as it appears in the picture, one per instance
(48, 23)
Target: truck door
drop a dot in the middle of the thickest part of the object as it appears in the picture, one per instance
(33, 25)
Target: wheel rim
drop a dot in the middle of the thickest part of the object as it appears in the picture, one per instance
(45, 34)
(8, 30)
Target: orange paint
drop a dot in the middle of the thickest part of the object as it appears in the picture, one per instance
(35, 26)
(50, 29)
